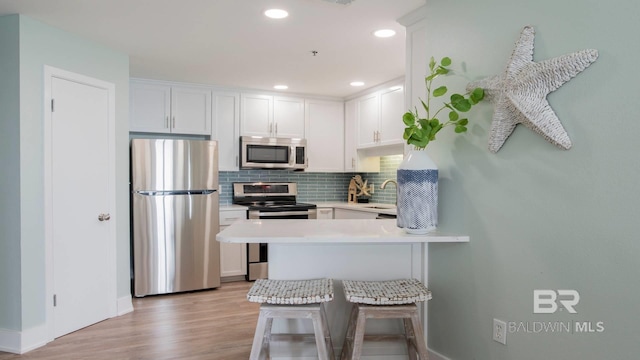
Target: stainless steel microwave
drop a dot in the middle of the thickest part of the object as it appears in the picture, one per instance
(257, 152)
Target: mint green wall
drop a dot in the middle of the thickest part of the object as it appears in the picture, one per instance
(41, 45)
(10, 178)
(540, 217)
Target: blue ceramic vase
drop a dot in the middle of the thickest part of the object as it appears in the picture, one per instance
(417, 193)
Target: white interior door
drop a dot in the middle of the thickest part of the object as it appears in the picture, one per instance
(80, 210)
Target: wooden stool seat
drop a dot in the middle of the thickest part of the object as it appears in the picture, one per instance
(291, 299)
(394, 299)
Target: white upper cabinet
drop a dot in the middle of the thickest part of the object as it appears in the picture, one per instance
(150, 108)
(350, 135)
(379, 117)
(391, 111)
(256, 115)
(288, 117)
(226, 128)
(272, 116)
(325, 125)
(159, 108)
(368, 119)
(190, 110)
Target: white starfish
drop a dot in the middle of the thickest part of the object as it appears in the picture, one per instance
(520, 92)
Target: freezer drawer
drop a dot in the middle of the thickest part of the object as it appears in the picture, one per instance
(174, 246)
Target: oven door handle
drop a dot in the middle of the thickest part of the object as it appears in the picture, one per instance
(282, 213)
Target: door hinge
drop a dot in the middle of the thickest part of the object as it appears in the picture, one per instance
(55, 300)
(52, 107)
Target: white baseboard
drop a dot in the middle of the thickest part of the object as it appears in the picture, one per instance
(10, 341)
(436, 356)
(125, 305)
(19, 342)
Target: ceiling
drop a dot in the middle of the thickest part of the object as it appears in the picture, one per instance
(231, 43)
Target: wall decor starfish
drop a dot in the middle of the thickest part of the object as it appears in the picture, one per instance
(519, 94)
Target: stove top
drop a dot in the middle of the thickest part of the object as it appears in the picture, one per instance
(269, 196)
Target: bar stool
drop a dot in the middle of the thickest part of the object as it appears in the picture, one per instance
(291, 299)
(394, 299)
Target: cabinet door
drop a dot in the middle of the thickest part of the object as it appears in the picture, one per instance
(190, 111)
(226, 128)
(149, 107)
(353, 214)
(325, 213)
(325, 147)
(368, 119)
(233, 257)
(288, 117)
(391, 111)
(256, 115)
(350, 135)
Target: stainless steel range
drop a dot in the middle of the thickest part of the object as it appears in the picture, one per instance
(268, 200)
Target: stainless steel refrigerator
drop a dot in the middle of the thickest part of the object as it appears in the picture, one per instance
(174, 215)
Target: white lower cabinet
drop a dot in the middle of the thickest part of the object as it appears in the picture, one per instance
(353, 214)
(325, 213)
(233, 257)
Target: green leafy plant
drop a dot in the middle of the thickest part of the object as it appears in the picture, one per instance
(420, 131)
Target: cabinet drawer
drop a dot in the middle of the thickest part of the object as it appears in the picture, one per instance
(229, 217)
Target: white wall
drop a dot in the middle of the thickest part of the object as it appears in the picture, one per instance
(41, 45)
(540, 217)
(10, 175)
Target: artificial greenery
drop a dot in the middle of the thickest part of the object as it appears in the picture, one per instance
(420, 131)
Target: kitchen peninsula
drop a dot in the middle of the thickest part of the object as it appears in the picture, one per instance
(340, 249)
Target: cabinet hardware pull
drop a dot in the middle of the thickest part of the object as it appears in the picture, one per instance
(276, 129)
(167, 121)
(270, 128)
(174, 122)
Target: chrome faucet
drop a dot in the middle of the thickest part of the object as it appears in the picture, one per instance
(384, 184)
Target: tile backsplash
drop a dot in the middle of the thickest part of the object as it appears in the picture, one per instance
(317, 187)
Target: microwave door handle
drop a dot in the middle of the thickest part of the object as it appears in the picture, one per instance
(292, 155)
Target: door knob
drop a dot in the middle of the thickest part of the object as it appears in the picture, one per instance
(104, 217)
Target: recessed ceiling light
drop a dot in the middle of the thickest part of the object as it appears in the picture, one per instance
(280, 87)
(384, 33)
(276, 13)
(356, 83)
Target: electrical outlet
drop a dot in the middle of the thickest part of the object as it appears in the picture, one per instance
(500, 331)
(372, 189)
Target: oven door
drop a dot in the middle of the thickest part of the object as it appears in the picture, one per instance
(257, 253)
(289, 214)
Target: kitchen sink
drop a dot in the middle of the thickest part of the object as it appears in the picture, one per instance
(390, 207)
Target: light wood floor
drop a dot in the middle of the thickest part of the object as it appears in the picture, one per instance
(214, 324)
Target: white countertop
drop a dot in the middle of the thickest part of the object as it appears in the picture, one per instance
(346, 231)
